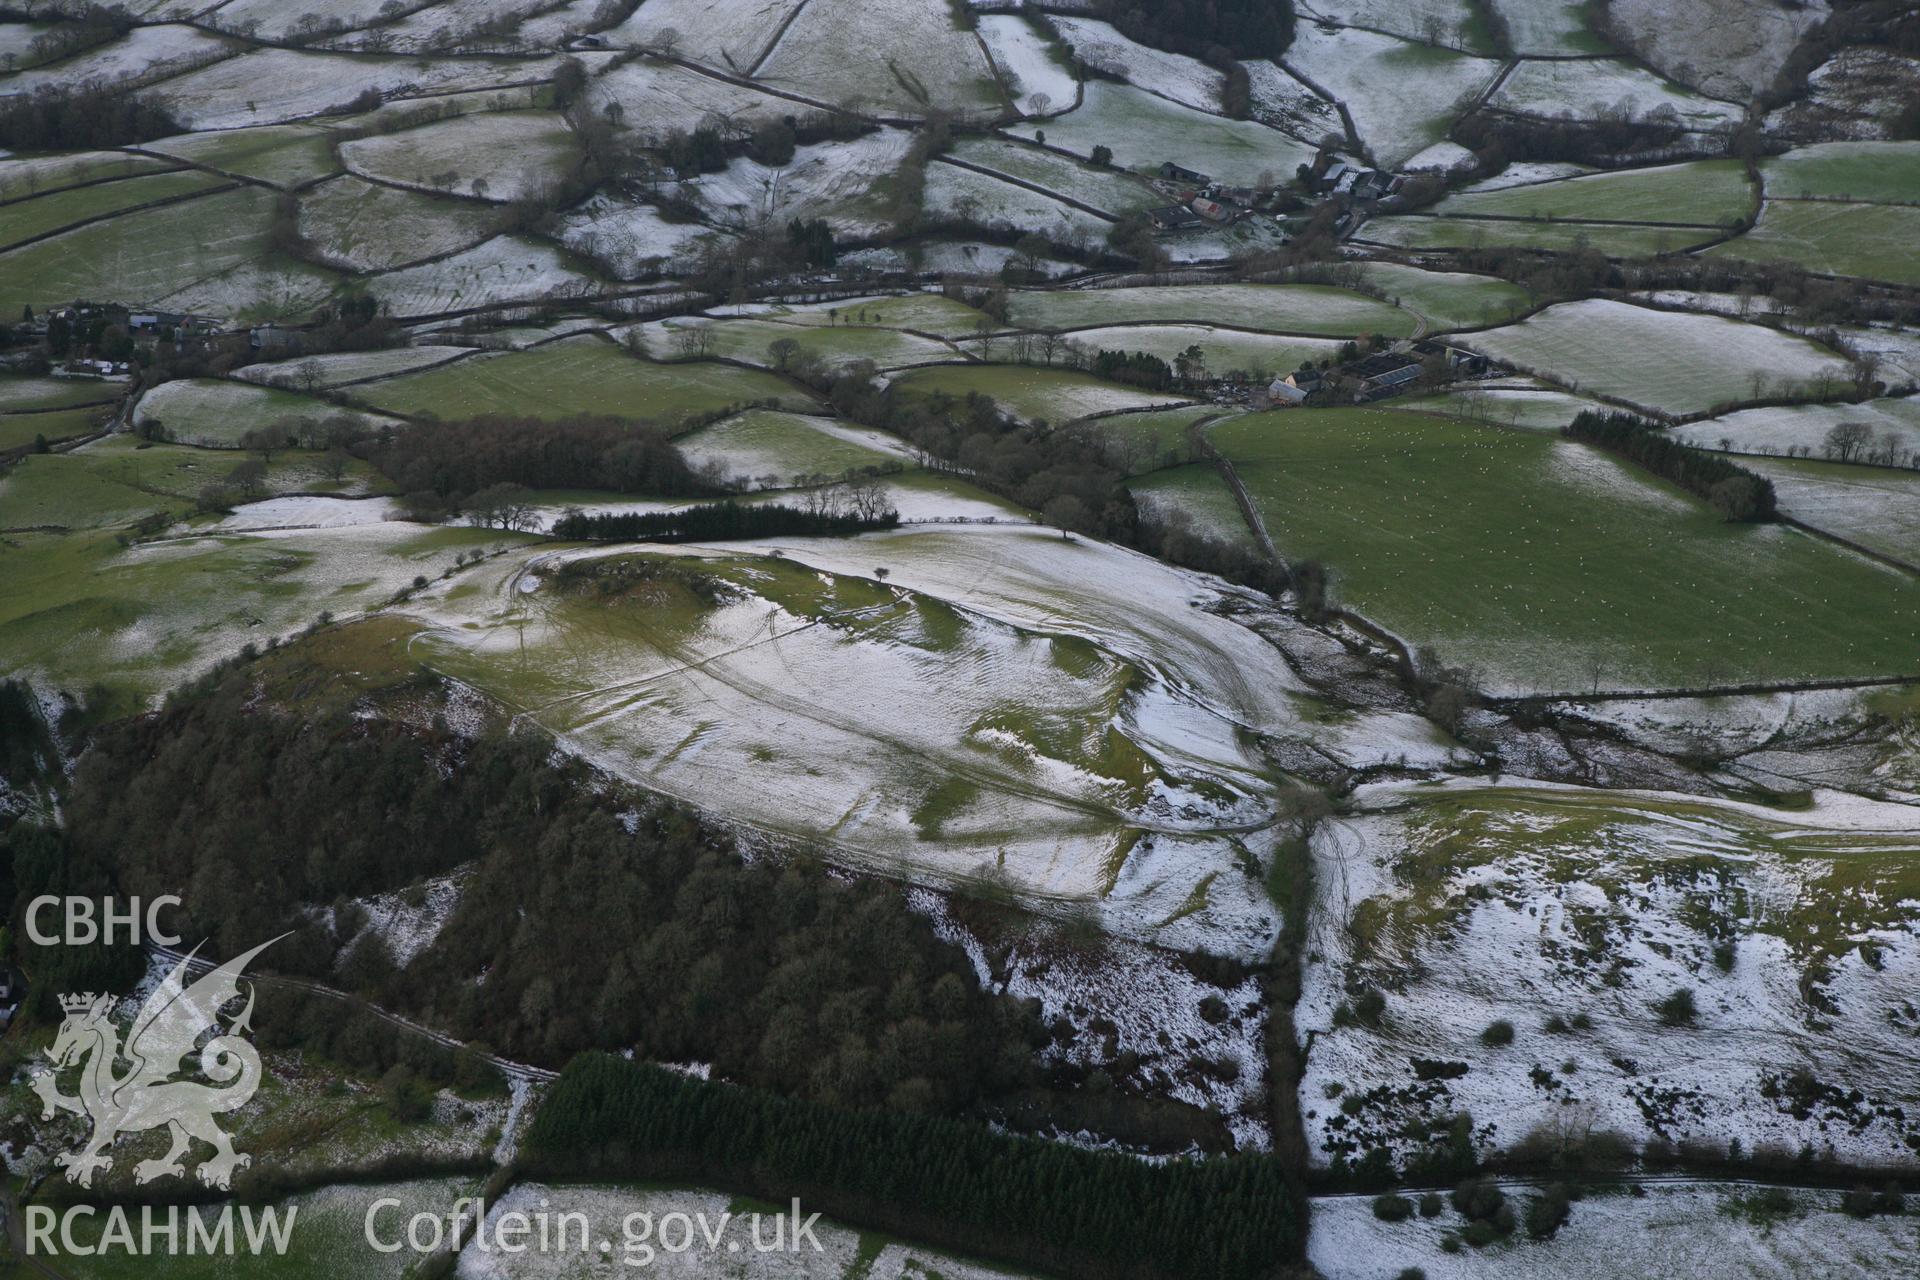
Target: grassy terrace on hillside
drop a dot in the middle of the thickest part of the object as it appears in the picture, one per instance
(1278, 308)
(279, 155)
(1706, 192)
(1888, 172)
(1033, 392)
(28, 219)
(1874, 241)
(575, 375)
(1549, 566)
(1421, 231)
(1448, 299)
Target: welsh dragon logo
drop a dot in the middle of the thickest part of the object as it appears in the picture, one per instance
(168, 1028)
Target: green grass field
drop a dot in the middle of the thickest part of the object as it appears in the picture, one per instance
(362, 226)
(1225, 350)
(747, 339)
(20, 179)
(1873, 241)
(1156, 438)
(1547, 566)
(1615, 241)
(20, 392)
(27, 219)
(179, 252)
(1712, 193)
(120, 479)
(17, 429)
(1448, 299)
(1311, 309)
(573, 376)
(1119, 193)
(1034, 393)
(1884, 172)
(927, 312)
(284, 156)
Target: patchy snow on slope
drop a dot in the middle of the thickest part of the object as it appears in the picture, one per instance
(407, 922)
(1157, 1008)
(834, 181)
(1539, 903)
(1186, 80)
(1793, 428)
(631, 239)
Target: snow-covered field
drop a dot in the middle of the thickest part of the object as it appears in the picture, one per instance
(1402, 96)
(1693, 1229)
(1787, 429)
(1185, 80)
(1573, 914)
(462, 155)
(142, 56)
(1280, 100)
(1726, 48)
(1877, 508)
(272, 86)
(1446, 22)
(631, 240)
(726, 33)
(982, 200)
(309, 512)
(1145, 131)
(1660, 360)
(1037, 83)
(504, 269)
(1586, 88)
(1224, 350)
(656, 99)
(899, 57)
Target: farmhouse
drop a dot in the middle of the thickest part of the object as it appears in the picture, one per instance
(1174, 217)
(1282, 393)
(1383, 375)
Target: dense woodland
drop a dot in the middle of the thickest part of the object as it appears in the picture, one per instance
(595, 921)
(1093, 1214)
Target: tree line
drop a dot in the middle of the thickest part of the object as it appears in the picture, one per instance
(82, 118)
(1735, 492)
(1049, 1205)
(720, 522)
(441, 464)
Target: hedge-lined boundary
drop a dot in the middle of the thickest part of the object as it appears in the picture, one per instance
(951, 1184)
